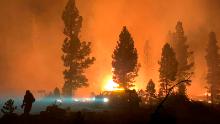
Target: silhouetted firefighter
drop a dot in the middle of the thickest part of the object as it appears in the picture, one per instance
(27, 102)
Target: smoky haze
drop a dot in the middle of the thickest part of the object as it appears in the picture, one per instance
(31, 39)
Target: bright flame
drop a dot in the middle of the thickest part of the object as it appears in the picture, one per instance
(111, 85)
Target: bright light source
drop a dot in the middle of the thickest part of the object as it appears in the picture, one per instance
(105, 100)
(59, 100)
(111, 85)
(76, 100)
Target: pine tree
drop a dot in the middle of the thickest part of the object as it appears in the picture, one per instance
(76, 53)
(9, 107)
(125, 60)
(184, 57)
(56, 92)
(150, 91)
(213, 62)
(168, 69)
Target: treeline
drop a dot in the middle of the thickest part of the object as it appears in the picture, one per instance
(176, 63)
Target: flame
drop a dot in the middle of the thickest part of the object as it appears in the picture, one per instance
(111, 85)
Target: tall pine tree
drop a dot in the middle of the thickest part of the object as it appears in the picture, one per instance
(183, 55)
(75, 53)
(125, 60)
(213, 62)
(168, 69)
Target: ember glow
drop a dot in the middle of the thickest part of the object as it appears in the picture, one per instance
(111, 85)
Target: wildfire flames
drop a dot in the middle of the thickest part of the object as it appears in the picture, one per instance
(111, 85)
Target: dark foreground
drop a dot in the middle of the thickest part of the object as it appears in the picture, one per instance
(175, 112)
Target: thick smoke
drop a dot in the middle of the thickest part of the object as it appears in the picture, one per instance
(31, 38)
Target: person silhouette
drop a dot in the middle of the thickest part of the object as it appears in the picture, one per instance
(27, 102)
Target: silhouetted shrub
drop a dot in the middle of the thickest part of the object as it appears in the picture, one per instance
(8, 107)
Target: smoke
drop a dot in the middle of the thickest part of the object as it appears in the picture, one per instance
(31, 38)
(30, 44)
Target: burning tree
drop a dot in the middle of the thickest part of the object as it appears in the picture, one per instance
(213, 62)
(183, 55)
(76, 53)
(168, 69)
(125, 60)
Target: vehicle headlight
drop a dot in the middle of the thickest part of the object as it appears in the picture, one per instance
(105, 100)
(59, 100)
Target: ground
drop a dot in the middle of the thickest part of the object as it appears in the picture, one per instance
(172, 112)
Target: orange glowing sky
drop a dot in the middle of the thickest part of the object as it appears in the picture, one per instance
(31, 39)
